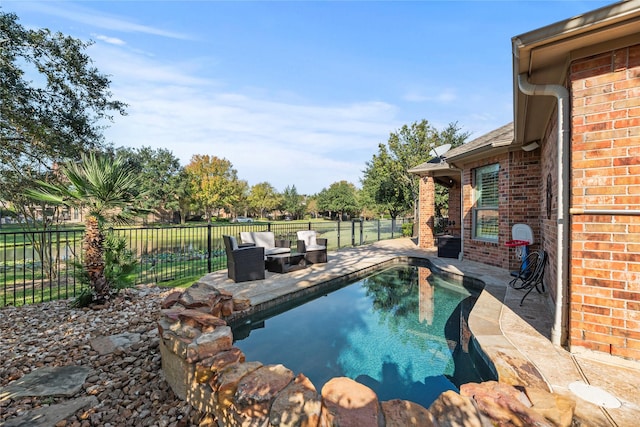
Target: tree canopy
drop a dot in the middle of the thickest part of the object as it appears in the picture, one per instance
(263, 197)
(158, 173)
(292, 202)
(214, 183)
(241, 203)
(53, 105)
(311, 206)
(341, 197)
(386, 179)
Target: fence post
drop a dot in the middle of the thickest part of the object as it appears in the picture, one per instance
(338, 227)
(353, 232)
(209, 248)
(393, 226)
(361, 232)
(378, 229)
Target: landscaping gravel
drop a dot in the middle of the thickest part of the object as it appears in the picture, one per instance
(127, 382)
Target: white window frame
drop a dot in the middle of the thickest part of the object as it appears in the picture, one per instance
(486, 205)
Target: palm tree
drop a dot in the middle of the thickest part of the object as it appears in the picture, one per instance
(105, 186)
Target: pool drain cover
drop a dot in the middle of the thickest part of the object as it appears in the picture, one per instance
(594, 395)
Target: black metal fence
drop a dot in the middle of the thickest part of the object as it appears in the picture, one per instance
(40, 266)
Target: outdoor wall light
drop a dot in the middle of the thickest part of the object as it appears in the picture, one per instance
(531, 146)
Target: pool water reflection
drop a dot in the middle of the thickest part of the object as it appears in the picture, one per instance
(401, 331)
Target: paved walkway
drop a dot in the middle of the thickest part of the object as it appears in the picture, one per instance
(516, 339)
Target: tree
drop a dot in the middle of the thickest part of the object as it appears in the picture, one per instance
(341, 197)
(382, 185)
(107, 188)
(369, 208)
(53, 106)
(263, 197)
(213, 182)
(450, 135)
(183, 200)
(386, 177)
(292, 202)
(241, 204)
(312, 206)
(158, 172)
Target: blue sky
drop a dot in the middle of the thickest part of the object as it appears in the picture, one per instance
(298, 93)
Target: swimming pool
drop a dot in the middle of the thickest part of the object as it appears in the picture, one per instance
(401, 331)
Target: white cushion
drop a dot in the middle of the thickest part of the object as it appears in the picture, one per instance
(246, 237)
(275, 251)
(310, 248)
(266, 239)
(309, 238)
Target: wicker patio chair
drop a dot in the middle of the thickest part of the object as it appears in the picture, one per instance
(314, 248)
(245, 263)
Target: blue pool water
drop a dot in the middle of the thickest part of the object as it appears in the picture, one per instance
(401, 331)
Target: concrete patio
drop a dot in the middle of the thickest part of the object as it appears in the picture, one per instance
(516, 339)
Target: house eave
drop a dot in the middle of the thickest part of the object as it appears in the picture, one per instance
(434, 169)
(544, 56)
(480, 153)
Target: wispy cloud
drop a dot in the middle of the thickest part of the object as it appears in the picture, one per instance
(142, 68)
(437, 95)
(111, 40)
(79, 14)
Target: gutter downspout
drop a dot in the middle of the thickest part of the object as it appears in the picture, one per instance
(461, 254)
(559, 330)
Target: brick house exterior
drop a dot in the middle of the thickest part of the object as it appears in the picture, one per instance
(605, 164)
(569, 167)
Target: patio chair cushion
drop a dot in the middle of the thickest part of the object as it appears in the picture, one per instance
(310, 240)
(275, 251)
(234, 243)
(265, 239)
(247, 237)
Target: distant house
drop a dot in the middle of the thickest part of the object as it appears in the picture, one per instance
(569, 167)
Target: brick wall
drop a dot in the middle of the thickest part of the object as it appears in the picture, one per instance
(605, 249)
(526, 194)
(548, 237)
(520, 200)
(496, 254)
(426, 233)
(454, 210)
(427, 213)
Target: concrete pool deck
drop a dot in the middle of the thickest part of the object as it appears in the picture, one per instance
(516, 339)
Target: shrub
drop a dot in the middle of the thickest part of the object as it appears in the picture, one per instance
(407, 229)
(119, 267)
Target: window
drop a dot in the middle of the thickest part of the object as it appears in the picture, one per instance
(485, 211)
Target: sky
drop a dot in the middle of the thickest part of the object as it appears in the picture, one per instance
(298, 93)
